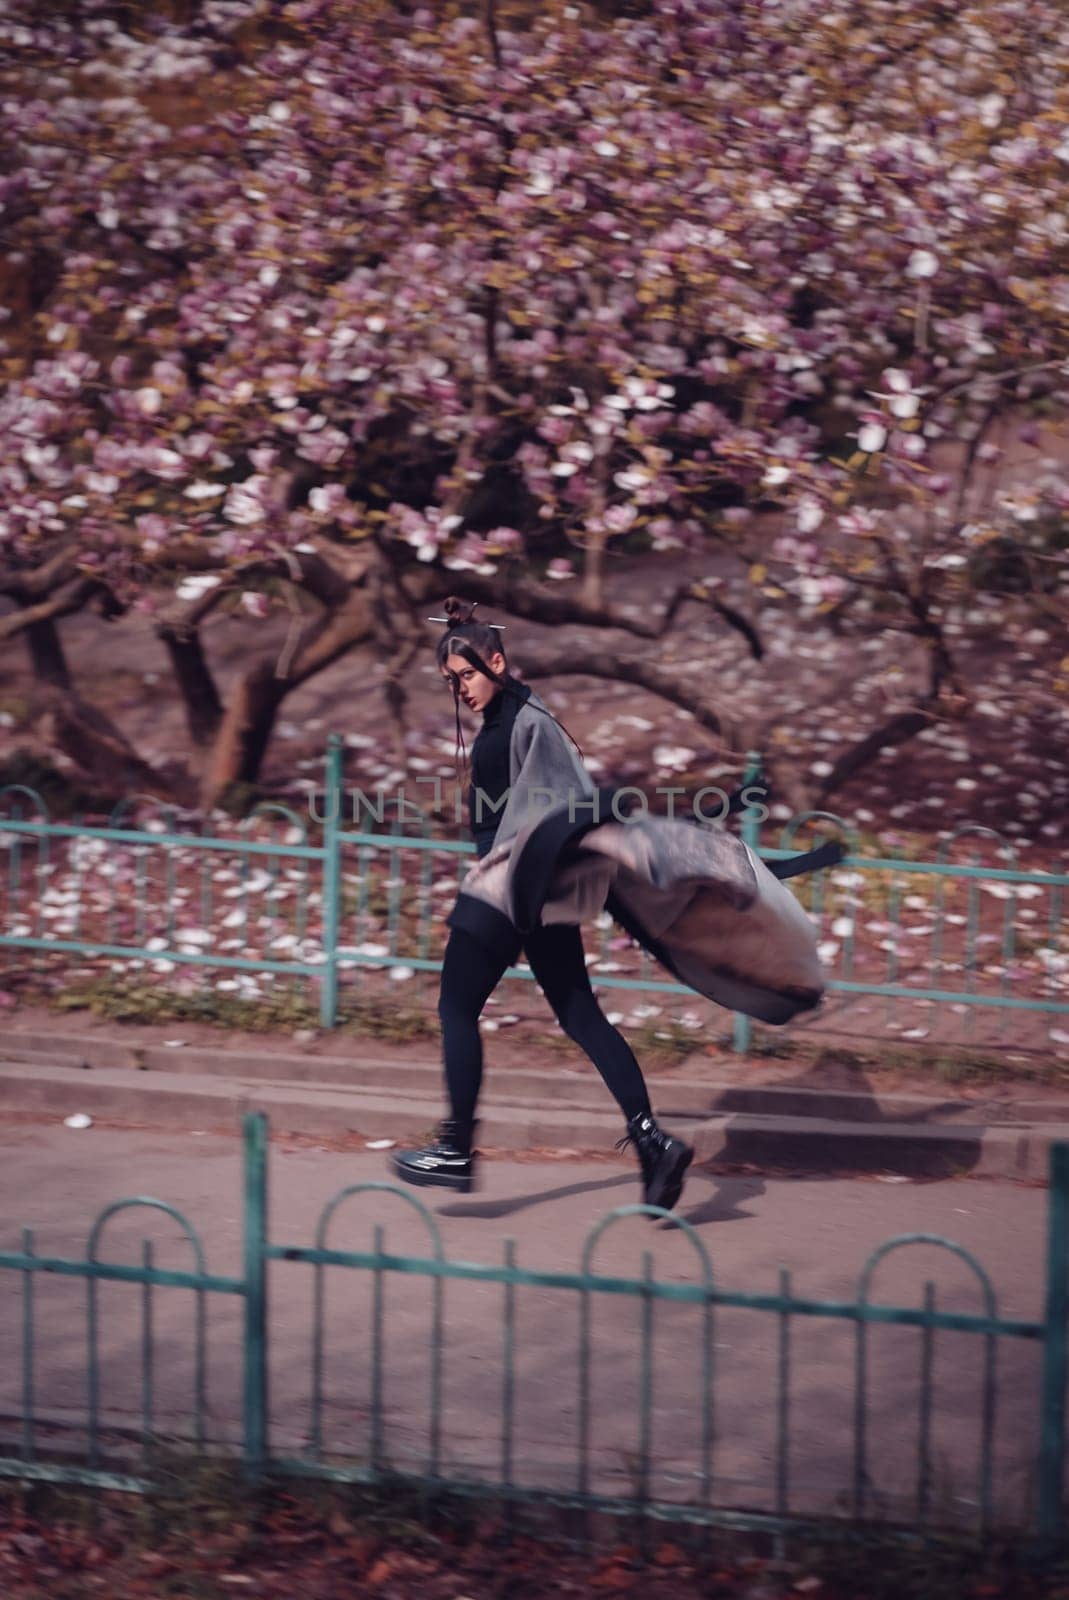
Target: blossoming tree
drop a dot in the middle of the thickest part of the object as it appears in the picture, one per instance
(314, 302)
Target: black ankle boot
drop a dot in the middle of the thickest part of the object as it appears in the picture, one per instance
(664, 1160)
(448, 1162)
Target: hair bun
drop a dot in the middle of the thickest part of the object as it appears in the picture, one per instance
(459, 611)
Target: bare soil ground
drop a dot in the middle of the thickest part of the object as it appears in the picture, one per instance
(1006, 765)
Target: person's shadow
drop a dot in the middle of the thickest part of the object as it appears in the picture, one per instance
(812, 1148)
(809, 1149)
(724, 1204)
(509, 1205)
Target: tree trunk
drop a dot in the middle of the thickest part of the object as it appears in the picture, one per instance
(88, 749)
(245, 728)
(204, 709)
(46, 653)
(243, 731)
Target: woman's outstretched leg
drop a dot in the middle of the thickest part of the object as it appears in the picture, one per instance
(558, 963)
(470, 973)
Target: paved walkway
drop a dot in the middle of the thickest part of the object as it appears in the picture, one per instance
(57, 1180)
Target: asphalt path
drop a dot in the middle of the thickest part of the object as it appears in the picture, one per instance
(772, 1383)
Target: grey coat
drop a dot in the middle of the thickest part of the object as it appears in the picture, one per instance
(695, 896)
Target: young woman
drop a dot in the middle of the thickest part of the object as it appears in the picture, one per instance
(521, 749)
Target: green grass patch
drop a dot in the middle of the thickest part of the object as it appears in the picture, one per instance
(139, 1001)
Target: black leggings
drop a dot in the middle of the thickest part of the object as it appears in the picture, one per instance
(470, 974)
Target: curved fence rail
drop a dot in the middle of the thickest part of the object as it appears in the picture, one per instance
(619, 1386)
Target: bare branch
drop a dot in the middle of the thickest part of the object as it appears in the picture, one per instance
(330, 637)
(941, 661)
(897, 730)
(27, 587)
(971, 457)
(305, 569)
(535, 604)
(66, 600)
(666, 682)
(182, 619)
(999, 377)
(734, 619)
(491, 29)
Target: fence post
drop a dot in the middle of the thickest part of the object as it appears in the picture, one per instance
(255, 1264)
(1052, 1444)
(328, 988)
(750, 829)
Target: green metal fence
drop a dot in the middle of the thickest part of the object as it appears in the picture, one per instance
(567, 1355)
(915, 948)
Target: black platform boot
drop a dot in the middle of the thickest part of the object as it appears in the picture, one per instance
(448, 1162)
(664, 1160)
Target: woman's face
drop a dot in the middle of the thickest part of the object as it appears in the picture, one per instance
(476, 689)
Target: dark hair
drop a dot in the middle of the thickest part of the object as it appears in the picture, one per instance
(475, 642)
(468, 638)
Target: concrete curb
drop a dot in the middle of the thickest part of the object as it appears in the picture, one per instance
(208, 1101)
(677, 1095)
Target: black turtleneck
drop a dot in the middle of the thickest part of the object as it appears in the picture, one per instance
(490, 767)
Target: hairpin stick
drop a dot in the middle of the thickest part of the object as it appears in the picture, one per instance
(500, 626)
